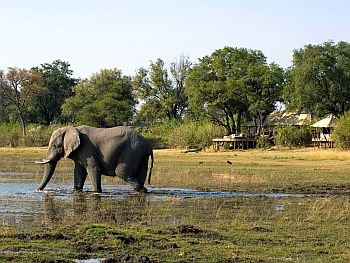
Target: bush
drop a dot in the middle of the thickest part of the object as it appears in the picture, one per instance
(37, 135)
(193, 135)
(341, 133)
(174, 134)
(264, 142)
(11, 135)
(292, 136)
(177, 134)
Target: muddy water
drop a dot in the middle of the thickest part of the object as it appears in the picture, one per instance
(21, 206)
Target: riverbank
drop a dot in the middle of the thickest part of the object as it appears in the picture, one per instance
(240, 223)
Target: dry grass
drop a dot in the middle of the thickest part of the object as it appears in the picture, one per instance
(231, 229)
(306, 170)
(310, 170)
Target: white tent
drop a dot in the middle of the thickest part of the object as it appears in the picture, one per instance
(328, 122)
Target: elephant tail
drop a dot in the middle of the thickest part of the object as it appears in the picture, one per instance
(150, 170)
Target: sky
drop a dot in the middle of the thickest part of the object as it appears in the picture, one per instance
(128, 34)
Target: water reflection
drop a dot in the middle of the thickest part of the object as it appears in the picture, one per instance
(22, 207)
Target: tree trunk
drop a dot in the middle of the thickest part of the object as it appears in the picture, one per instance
(24, 129)
(239, 118)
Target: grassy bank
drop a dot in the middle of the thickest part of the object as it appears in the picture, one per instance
(307, 170)
(313, 228)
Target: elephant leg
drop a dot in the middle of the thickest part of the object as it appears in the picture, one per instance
(80, 174)
(141, 177)
(137, 186)
(94, 172)
(95, 178)
(129, 174)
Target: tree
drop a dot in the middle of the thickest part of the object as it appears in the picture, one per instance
(16, 87)
(319, 79)
(232, 83)
(104, 100)
(157, 87)
(263, 91)
(56, 85)
(4, 108)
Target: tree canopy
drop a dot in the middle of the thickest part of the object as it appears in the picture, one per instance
(162, 89)
(55, 86)
(16, 87)
(104, 100)
(228, 87)
(319, 79)
(232, 83)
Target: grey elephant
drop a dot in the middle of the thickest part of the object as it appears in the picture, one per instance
(118, 151)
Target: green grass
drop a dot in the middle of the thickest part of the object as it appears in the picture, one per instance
(314, 228)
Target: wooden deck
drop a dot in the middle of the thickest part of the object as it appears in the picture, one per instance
(322, 143)
(235, 143)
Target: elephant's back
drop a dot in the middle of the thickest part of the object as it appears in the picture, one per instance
(115, 138)
(113, 141)
(100, 134)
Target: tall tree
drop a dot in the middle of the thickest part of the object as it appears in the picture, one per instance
(163, 88)
(264, 90)
(104, 100)
(16, 87)
(319, 79)
(56, 85)
(231, 83)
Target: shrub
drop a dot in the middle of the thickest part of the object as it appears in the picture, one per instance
(176, 134)
(264, 142)
(292, 136)
(11, 135)
(193, 135)
(37, 135)
(341, 133)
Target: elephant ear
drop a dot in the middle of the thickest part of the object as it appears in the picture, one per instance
(71, 141)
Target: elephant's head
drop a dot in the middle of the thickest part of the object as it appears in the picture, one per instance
(62, 143)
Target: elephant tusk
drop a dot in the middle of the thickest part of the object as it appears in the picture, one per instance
(44, 161)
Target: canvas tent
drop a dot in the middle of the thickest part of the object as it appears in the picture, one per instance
(328, 122)
(277, 119)
(323, 130)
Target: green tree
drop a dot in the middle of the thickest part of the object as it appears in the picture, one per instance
(104, 100)
(16, 87)
(319, 79)
(4, 110)
(163, 89)
(55, 86)
(232, 83)
(341, 133)
(264, 90)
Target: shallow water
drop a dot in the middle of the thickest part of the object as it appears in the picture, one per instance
(23, 207)
(28, 190)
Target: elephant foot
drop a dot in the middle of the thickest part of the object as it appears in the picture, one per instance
(140, 189)
(78, 190)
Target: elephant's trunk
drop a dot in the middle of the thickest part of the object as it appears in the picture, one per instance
(49, 170)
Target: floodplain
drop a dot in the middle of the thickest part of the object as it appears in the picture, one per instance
(280, 205)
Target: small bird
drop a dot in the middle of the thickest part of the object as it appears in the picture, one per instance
(229, 162)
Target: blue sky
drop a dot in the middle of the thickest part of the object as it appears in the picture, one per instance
(96, 34)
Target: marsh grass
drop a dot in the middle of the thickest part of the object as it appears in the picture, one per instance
(313, 228)
(309, 170)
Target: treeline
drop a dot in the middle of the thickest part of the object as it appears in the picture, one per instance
(227, 88)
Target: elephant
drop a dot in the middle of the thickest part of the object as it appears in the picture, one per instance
(118, 151)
